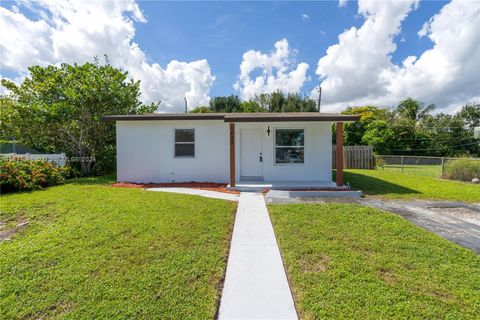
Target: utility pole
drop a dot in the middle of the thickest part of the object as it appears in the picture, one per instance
(319, 96)
(186, 104)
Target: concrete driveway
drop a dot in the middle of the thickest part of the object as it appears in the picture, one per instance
(456, 221)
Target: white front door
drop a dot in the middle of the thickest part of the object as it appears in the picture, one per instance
(251, 153)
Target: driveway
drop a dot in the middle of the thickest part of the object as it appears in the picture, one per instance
(456, 221)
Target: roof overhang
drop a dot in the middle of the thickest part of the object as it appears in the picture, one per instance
(164, 116)
(289, 117)
(239, 117)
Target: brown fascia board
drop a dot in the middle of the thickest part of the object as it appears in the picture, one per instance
(238, 117)
(290, 116)
(165, 116)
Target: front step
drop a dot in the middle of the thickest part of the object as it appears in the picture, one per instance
(314, 193)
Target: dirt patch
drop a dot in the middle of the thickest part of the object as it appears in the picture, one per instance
(7, 234)
(219, 187)
(315, 263)
(388, 276)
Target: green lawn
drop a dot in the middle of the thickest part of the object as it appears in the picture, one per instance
(395, 185)
(94, 251)
(351, 262)
(434, 171)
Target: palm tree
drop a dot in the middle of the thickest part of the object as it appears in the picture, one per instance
(414, 110)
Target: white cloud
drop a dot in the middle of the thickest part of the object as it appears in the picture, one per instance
(76, 31)
(305, 17)
(278, 71)
(342, 3)
(358, 70)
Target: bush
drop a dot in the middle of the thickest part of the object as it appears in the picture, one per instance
(379, 163)
(463, 170)
(18, 174)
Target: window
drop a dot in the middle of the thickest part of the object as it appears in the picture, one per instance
(184, 142)
(289, 146)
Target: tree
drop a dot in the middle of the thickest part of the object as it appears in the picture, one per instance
(470, 115)
(354, 131)
(59, 109)
(265, 102)
(201, 109)
(9, 129)
(225, 104)
(380, 136)
(251, 106)
(414, 110)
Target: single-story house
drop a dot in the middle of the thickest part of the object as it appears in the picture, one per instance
(268, 149)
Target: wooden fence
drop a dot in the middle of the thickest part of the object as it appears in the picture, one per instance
(356, 157)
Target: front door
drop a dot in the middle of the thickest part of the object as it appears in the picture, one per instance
(251, 156)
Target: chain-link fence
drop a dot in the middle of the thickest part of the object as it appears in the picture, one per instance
(464, 169)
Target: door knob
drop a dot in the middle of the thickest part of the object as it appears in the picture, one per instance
(261, 157)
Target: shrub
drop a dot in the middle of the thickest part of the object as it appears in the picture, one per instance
(18, 174)
(379, 163)
(463, 170)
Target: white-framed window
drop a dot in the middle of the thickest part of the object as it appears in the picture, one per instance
(184, 146)
(289, 146)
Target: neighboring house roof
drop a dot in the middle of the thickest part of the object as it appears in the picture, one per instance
(238, 117)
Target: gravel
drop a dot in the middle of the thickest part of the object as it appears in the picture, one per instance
(459, 212)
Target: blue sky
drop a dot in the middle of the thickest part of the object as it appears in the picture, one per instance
(222, 31)
(362, 52)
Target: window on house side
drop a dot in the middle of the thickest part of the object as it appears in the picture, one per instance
(289, 146)
(185, 143)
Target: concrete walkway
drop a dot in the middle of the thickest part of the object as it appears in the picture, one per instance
(256, 285)
(199, 192)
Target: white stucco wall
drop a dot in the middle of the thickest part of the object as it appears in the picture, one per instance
(145, 152)
(317, 164)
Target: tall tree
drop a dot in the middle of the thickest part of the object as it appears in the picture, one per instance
(59, 109)
(225, 104)
(265, 102)
(470, 115)
(414, 110)
(354, 131)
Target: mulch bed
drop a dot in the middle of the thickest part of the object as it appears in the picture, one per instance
(219, 187)
(319, 189)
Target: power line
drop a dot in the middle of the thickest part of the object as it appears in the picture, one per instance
(436, 149)
(319, 97)
(427, 126)
(435, 140)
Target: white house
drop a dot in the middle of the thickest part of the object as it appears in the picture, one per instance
(268, 149)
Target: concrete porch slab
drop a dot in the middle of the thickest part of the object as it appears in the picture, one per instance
(255, 186)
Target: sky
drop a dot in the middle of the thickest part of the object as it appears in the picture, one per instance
(361, 53)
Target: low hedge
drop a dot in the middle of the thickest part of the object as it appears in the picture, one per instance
(18, 174)
(463, 170)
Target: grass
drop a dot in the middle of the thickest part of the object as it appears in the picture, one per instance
(434, 171)
(93, 251)
(393, 185)
(351, 262)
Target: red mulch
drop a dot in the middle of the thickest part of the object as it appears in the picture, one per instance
(319, 189)
(219, 187)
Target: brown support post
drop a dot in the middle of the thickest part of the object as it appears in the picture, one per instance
(339, 154)
(232, 154)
